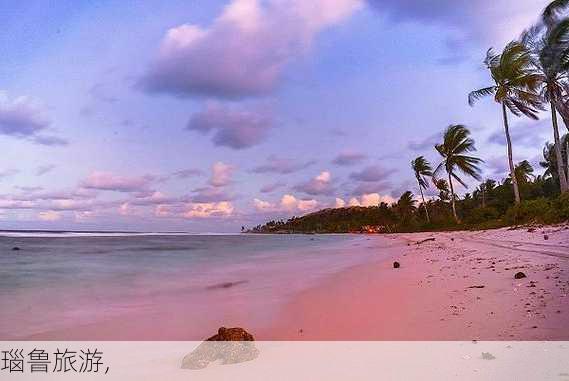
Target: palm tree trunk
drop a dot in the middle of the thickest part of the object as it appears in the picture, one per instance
(452, 198)
(510, 158)
(424, 203)
(558, 156)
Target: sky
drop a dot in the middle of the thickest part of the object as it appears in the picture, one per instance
(205, 116)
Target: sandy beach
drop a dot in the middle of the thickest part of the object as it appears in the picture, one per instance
(449, 286)
(459, 286)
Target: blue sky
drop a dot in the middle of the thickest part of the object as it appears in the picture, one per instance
(206, 116)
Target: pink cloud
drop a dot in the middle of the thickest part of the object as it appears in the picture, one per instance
(111, 182)
(221, 174)
(319, 185)
(245, 50)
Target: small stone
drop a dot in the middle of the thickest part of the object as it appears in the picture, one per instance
(520, 275)
(546, 237)
(488, 356)
(396, 265)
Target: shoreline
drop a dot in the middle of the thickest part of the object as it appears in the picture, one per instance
(460, 286)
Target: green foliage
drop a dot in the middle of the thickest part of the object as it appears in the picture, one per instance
(481, 215)
(529, 211)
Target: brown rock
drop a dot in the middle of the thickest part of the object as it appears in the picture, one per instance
(520, 275)
(231, 334)
(230, 345)
(396, 265)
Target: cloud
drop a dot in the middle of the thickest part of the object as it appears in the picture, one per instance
(232, 128)
(111, 182)
(43, 169)
(339, 203)
(319, 185)
(524, 134)
(371, 199)
(288, 203)
(210, 194)
(481, 20)
(498, 166)
(372, 173)
(23, 118)
(221, 174)
(245, 50)
(272, 187)
(8, 173)
(282, 166)
(187, 173)
(348, 158)
(427, 143)
(369, 187)
(49, 215)
(205, 210)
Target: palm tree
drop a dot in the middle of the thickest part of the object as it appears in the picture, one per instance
(515, 86)
(456, 144)
(442, 186)
(524, 172)
(549, 46)
(406, 205)
(550, 158)
(422, 169)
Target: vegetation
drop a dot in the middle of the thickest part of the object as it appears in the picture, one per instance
(456, 143)
(529, 75)
(515, 89)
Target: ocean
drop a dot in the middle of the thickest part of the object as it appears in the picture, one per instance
(157, 286)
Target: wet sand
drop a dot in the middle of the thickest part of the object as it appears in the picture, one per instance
(460, 286)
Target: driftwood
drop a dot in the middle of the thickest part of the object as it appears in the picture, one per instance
(425, 240)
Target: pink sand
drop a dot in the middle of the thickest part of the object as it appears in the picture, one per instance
(429, 298)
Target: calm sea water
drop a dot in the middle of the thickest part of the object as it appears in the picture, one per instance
(62, 281)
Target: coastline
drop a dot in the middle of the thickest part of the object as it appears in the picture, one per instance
(460, 286)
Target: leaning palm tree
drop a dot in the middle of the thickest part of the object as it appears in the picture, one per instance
(515, 86)
(549, 46)
(524, 172)
(442, 187)
(456, 144)
(422, 169)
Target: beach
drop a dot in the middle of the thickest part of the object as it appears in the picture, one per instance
(459, 286)
(449, 286)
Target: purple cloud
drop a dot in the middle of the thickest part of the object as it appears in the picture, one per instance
(232, 128)
(43, 169)
(319, 185)
(245, 50)
(8, 173)
(187, 173)
(427, 143)
(498, 22)
(349, 158)
(372, 173)
(24, 119)
(210, 195)
(369, 187)
(269, 188)
(282, 166)
(523, 134)
(111, 182)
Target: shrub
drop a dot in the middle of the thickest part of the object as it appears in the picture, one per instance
(480, 215)
(560, 208)
(539, 210)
